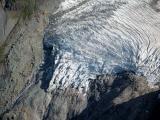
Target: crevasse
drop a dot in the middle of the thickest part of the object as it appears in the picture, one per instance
(96, 37)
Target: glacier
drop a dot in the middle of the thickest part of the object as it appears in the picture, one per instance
(86, 38)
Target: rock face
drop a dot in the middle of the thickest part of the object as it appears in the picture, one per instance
(83, 60)
(123, 96)
(21, 56)
(3, 20)
(109, 97)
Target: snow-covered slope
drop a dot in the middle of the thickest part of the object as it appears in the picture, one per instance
(103, 36)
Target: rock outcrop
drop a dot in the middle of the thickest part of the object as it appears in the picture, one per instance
(124, 96)
(21, 57)
(2, 21)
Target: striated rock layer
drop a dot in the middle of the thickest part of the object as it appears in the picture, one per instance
(21, 57)
(93, 60)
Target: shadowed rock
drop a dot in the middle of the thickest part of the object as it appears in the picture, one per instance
(120, 97)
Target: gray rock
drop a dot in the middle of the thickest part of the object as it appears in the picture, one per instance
(123, 97)
(3, 22)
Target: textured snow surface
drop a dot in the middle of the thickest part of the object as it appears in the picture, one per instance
(95, 37)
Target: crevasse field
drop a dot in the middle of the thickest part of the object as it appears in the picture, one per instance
(86, 38)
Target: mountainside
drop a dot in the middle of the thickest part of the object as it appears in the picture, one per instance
(80, 60)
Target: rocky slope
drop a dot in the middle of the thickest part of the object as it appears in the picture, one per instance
(21, 56)
(82, 60)
(121, 97)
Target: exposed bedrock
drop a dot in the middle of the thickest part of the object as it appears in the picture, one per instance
(21, 57)
(121, 97)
